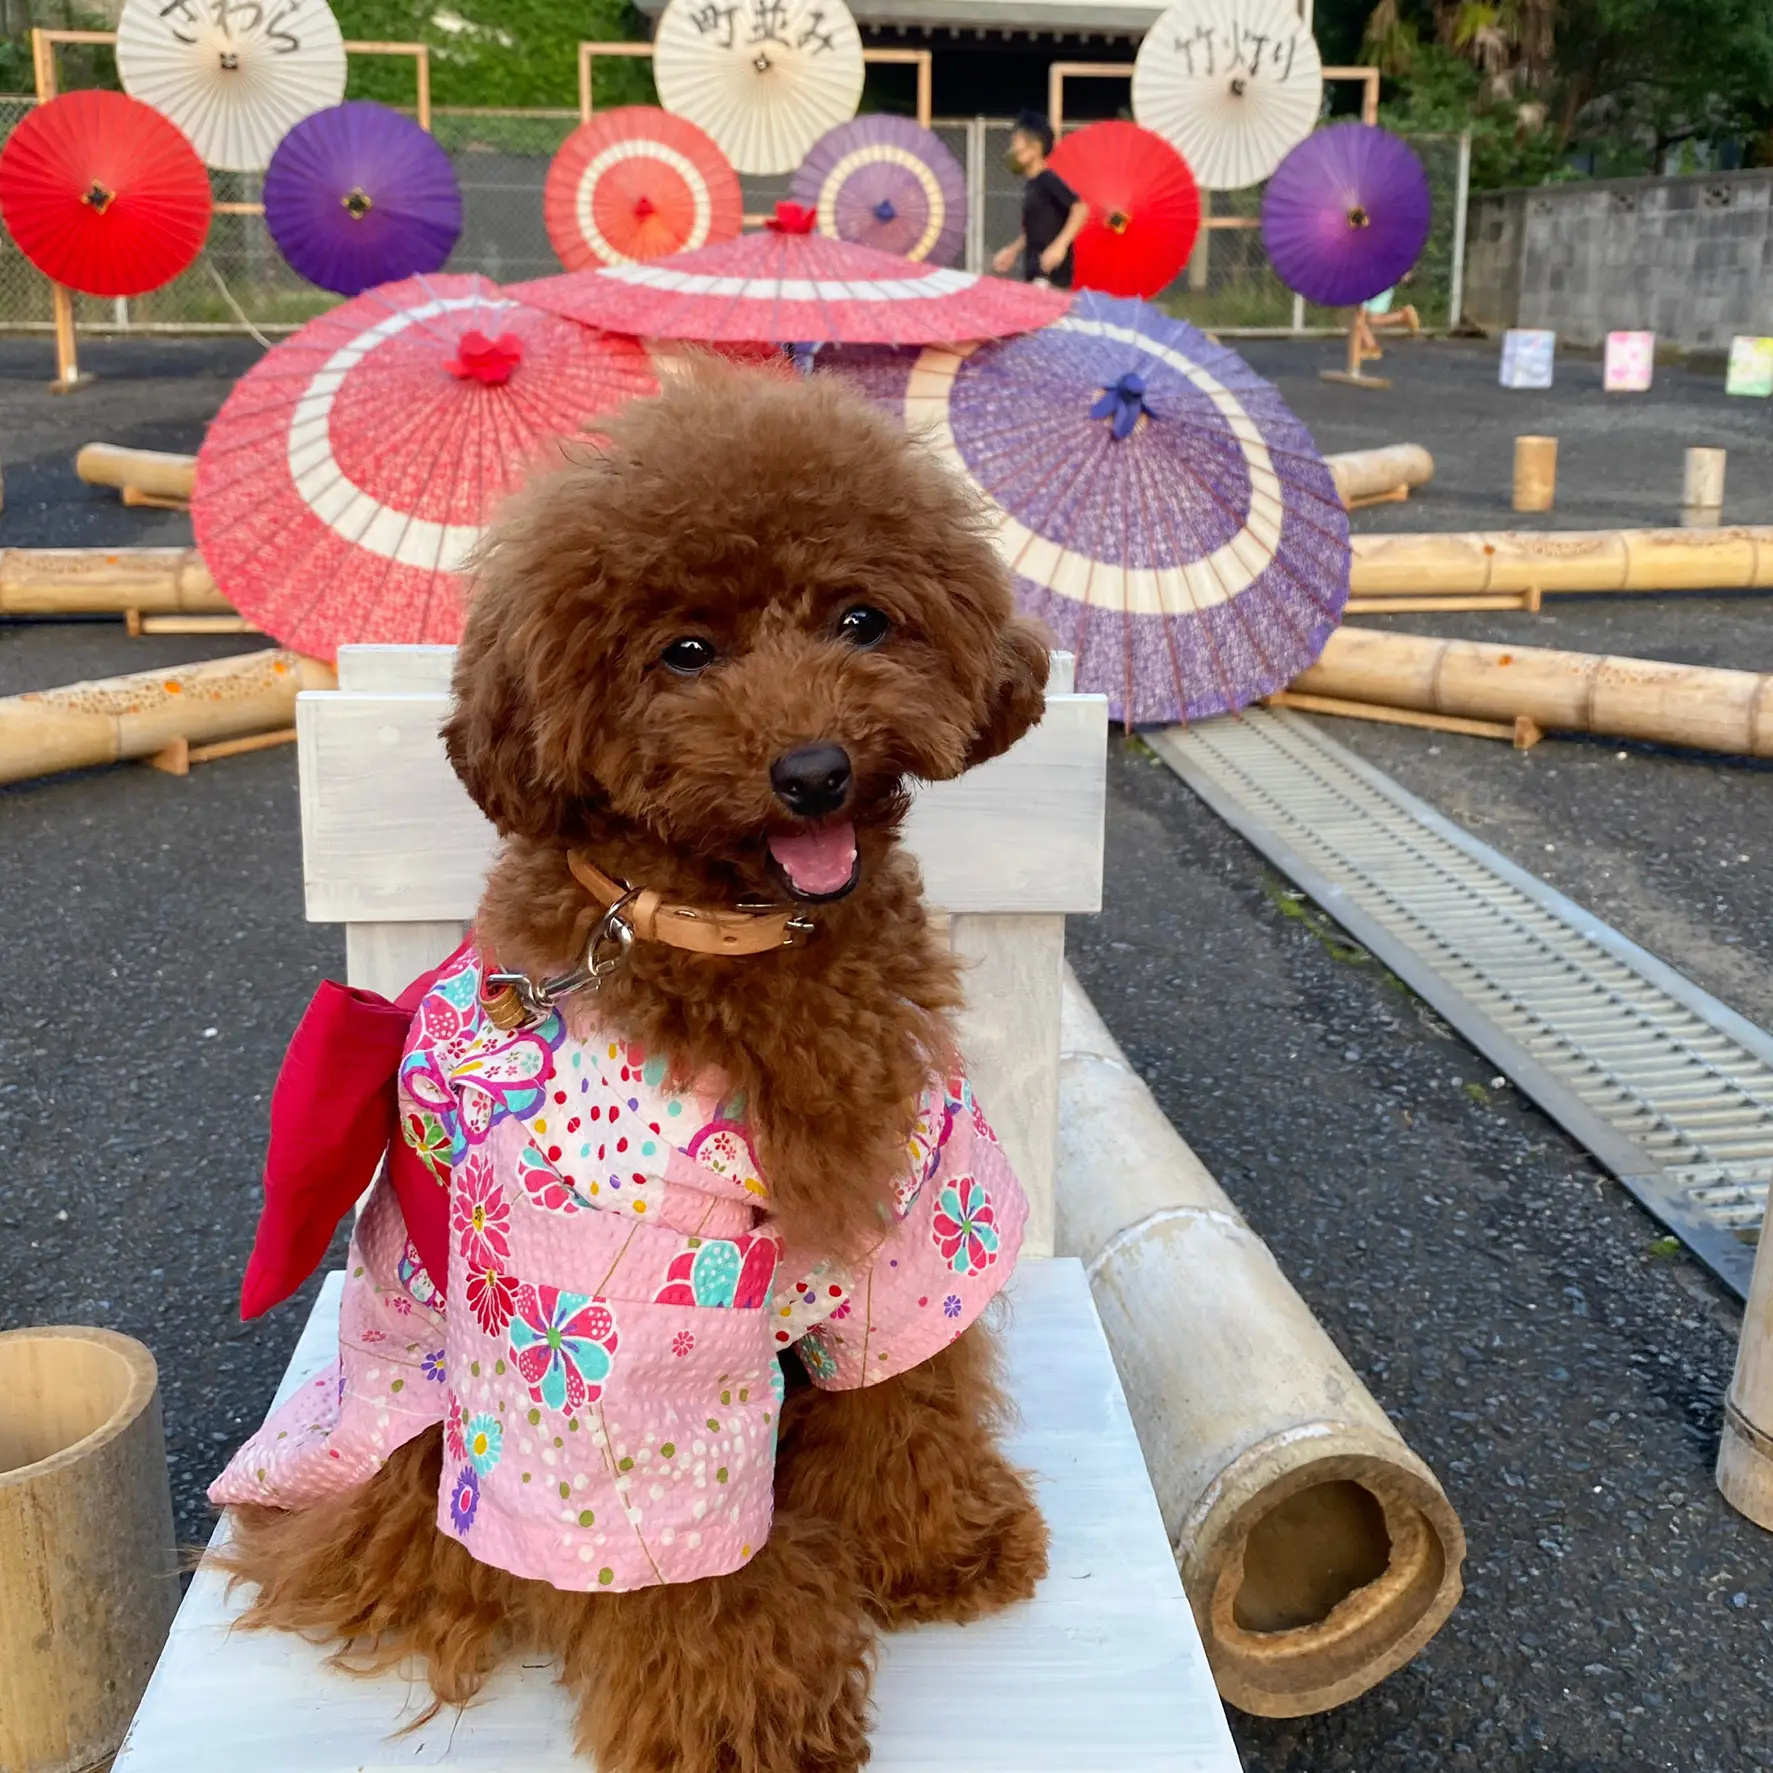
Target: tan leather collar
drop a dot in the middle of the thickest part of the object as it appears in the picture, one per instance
(687, 926)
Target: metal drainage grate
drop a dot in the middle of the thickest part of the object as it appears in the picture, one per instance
(1670, 1089)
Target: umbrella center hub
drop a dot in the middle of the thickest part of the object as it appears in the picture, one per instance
(1358, 217)
(793, 218)
(1123, 404)
(1238, 86)
(884, 211)
(357, 203)
(643, 207)
(98, 197)
(1118, 221)
(761, 62)
(230, 61)
(487, 361)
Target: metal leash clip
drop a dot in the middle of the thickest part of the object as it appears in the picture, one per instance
(515, 1000)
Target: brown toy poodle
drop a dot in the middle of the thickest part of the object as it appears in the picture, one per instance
(701, 668)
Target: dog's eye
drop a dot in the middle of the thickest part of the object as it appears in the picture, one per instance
(863, 627)
(688, 656)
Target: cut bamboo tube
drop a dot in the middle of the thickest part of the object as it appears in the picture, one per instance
(1702, 481)
(139, 624)
(107, 581)
(114, 718)
(1691, 705)
(1528, 600)
(1745, 1456)
(67, 357)
(155, 472)
(1414, 565)
(1363, 476)
(1520, 732)
(88, 1573)
(1318, 1552)
(1535, 473)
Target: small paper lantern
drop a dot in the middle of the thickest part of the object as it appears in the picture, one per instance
(1526, 357)
(1631, 356)
(1751, 366)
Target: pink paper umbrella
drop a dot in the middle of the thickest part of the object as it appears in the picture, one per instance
(789, 284)
(355, 467)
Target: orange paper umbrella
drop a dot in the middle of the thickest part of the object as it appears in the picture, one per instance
(354, 468)
(638, 183)
(1144, 208)
(103, 194)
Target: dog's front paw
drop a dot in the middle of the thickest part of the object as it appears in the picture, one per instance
(766, 1670)
(990, 1553)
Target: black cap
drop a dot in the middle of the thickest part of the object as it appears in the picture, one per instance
(1034, 123)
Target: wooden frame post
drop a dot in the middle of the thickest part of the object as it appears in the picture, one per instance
(587, 51)
(921, 59)
(1059, 72)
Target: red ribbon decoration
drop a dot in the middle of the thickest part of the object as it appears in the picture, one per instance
(484, 360)
(793, 218)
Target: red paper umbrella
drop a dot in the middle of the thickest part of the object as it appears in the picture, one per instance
(638, 183)
(355, 466)
(103, 194)
(789, 285)
(1144, 208)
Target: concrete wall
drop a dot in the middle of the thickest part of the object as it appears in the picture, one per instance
(1690, 259)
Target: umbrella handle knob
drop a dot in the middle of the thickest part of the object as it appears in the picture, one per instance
(1238, 86)
(1118, 221)
(884, 211)
(230, 61)
(643, 207)
(356, 203)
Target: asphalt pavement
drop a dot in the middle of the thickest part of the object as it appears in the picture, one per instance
(1519, 1316)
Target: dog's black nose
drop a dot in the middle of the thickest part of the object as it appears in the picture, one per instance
(812, 780)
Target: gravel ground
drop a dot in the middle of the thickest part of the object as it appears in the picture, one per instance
(1505, 1300)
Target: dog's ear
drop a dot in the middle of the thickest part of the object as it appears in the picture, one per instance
(1016, 698)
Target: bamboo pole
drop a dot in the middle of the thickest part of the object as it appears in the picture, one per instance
(1414, 565)
(1745, 1455)
(67, 355)
(1365, 475)
(107, 581)
(115, 718)
(88, 1569)
(1690, 705)
(156, 472)
(1318, 1552)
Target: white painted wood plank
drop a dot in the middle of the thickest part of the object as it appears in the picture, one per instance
(387, 957)
(414, 669)
(1009, 1032)
(389, 835)
(1102, 1672)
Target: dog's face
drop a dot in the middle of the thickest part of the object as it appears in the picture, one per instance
(741, 628)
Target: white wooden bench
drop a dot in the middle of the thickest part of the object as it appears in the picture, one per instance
(1104, 1669)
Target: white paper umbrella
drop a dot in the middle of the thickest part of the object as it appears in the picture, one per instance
(1232, 84)
(764, 78)
(234, 75)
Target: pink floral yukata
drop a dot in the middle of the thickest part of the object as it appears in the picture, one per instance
(606, 1371)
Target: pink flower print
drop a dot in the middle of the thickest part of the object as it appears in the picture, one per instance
(401, 1304)
(455, 1420)
(545, 1186)
(682, 1343)
(734, 1273)
(492, 1294)
(481, 1217)
(964, 1226)
(425, 1133)
(375, 1336)
(563, 1345)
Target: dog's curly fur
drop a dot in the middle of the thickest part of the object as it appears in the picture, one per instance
(750, 511)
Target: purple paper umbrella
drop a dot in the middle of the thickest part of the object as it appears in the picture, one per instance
(1345, 214)
(888, 183)
(1160, 507)
(358, 195)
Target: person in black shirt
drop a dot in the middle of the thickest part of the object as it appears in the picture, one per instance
(1053, 215)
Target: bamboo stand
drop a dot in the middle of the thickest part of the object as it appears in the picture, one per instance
(1379, 476)
(67, 361)
(1702, 489)
(150, 477)
(152, 582)
(1745, 1455)
(1384, 676)
(1318, 1552)
(1535, 473)
(88, 1569)
(1363, 347)
(1513, 561)
(173, 718)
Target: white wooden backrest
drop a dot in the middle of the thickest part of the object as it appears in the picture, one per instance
(393, 848)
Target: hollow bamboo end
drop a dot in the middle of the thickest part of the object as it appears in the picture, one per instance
(1314, 1579)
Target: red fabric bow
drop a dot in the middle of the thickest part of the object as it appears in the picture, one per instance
(793, 218)
(486, 360)
(333, 1114)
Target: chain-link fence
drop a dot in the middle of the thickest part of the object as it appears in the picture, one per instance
(501, 160)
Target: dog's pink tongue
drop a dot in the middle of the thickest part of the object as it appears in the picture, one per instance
(817, 862)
